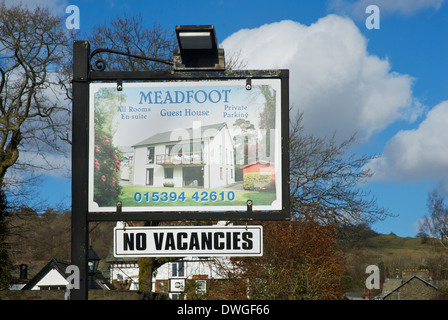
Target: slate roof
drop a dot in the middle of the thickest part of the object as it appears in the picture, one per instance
(164, 137)
(258, 162)
(407, 281)
(100, 281)
(60, 266)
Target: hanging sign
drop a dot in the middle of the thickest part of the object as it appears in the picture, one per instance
(196, 146)
(188, 241)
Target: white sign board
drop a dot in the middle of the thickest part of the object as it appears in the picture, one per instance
(186, 146)
(188, 241)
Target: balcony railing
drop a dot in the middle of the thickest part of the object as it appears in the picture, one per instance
(184, 158)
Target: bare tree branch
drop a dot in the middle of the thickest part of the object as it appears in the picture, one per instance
(33, 116)
(435, 224)
(325, 179)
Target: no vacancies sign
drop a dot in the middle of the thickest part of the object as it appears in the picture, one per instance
(188, 241)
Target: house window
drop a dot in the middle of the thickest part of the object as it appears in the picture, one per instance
(52, 287)
(220, 173)
(178, 269)
(201, 286)
(150, 176)
(196, 152)
(169, 173)
(175, 296)
(150, 155)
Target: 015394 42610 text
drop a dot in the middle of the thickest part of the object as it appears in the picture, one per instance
(203, 196)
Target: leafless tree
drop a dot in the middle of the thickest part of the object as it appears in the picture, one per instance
(129, 35)
(326, 180)
(33, 113)
(435, 223)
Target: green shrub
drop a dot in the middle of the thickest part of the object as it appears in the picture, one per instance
(251, 178)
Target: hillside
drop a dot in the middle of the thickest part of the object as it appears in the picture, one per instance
(389, 244)
(393, 254)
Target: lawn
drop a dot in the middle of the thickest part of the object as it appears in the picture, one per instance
(132, 196)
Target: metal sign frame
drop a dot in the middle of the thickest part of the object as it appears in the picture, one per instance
(86, 72)
(80, 150)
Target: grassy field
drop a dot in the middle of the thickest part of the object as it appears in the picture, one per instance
(151, 196)
(395, 252)
(392, 244)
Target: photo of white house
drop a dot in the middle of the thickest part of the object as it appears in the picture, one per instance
(197, 157)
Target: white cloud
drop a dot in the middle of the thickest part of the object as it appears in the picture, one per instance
(357, 9)
(333, 79)
(48, 163)
(55, 6)
(417, 154)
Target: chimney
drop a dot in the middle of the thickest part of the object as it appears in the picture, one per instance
(23, 272)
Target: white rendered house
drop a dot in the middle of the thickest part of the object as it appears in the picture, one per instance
(172, 276)
(200, 157)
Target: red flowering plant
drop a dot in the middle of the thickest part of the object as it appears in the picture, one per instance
(106, 172)
(107, 156)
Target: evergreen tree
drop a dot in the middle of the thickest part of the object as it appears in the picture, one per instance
(5, 263)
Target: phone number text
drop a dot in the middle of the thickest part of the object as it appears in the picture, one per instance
(203, 196)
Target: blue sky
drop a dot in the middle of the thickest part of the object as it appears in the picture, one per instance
(389, 84)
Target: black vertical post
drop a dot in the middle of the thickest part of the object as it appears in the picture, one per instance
(80, 139)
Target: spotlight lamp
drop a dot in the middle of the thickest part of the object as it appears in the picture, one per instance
(198, 49)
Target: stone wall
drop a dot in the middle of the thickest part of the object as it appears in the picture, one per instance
(59, 295)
